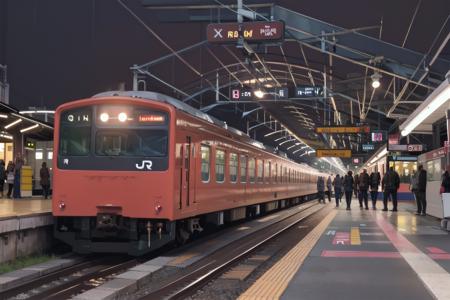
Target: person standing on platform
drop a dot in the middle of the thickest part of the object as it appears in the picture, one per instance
(363, 188)
(413, 188)
(321, 189)
(45, 180)
(329, 188)
(445, 185)
(348, 188)
(390, 183)
(337, 183)
(2, 176)
(17, 171)
(374, 184)
(355, 184)
(421, 191)
(10, 178)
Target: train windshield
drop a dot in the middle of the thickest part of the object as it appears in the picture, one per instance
(133, 143)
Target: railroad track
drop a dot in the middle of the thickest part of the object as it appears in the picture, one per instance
(188, 281)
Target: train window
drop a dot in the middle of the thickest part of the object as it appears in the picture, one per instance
(267, 172)
(259, 170)
(275, 173)
(75, 132)
(233, 167)
(251, 170)
(136, 142)
(206, 162)
(220, 166)
(281, 173)
(243, 169)
(285, 174)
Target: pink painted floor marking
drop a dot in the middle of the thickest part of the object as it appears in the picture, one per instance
(440, 256)
(435, 250)
(360, 254)
(341, 238)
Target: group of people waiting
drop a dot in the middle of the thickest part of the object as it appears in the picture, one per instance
(360, 185)
(11, 175)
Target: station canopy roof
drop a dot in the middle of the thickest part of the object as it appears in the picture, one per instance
(343, 61)
(13, 123)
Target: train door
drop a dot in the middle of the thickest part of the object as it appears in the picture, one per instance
(187, 189)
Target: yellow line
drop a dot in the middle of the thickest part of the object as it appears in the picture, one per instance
(273, 283)
(355, 237)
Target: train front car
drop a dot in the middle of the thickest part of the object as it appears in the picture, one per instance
(112, 175)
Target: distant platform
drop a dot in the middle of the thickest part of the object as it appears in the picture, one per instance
(11, 208)
(363, 254)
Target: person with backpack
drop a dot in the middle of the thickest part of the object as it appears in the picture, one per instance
(348, 188)
(390, 183)
(363, 186)
(374, 180)
(337, 183)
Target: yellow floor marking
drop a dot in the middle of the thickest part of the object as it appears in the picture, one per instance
(240, 272)
(181, 259)
(273, 283)
(355, 236)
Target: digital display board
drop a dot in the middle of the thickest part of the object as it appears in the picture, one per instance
(249, 31)
(305, 91)
(148, 118)
(368, 147)
(378, 136)
(345, 153)
(343, 129)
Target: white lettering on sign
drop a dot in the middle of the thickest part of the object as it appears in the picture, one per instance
(340, 242)
(66, 161)
(78, 118)
(218, 33)
(235, 94)
(145, 164)
(331, 232)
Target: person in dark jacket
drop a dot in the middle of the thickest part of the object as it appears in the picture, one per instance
(10, 178)
(390, 183)
(355, 184)
(45, 180)
(329, 188)
(363, 186)
(321, 189)
(17, 170)
(337, 183)
(2, 176)
(446, 182)
(374, 180)
(421, 191)
(348, 188)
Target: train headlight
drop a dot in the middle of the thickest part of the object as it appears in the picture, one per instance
(122, 117)
(104, 117)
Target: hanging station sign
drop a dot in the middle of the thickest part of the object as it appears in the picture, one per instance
(378, 136)
(248, 94)
(368, 147)
(344, 153)
(343, 129)
(406, 148)
(250, 31)
(307, 91)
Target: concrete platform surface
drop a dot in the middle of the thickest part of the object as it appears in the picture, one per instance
(10, 208)
(371, 254)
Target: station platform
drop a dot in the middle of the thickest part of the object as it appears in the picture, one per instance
(11, 208)
(363, 254)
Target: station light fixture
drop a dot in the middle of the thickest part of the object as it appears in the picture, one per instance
(13, 123)
(3, 116)
(259, 93)
(29, 128)
(104, 117)
(376, 80)
(434, 102)
(122, 117)
(290, 147)
(6, 136)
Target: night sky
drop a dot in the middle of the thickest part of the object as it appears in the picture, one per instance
(58, 51)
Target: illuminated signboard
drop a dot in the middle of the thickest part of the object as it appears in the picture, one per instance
(151, 118)
(248, 94)
(356, 161)
(249, 31)
(343, 129)
(241, 94)
(368, 147)
(30, 145)
(378, 136)
(415, 148)
(406, 148)
(306, 91)
(345, 153)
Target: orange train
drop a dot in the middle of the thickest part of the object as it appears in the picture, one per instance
(136, 170)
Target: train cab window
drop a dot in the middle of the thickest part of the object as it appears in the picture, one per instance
(251, 170)
(206, 162)
(260, 170)
(267, 171)
(233, 167)
(220, 166)
(243, 163)
(75, 132)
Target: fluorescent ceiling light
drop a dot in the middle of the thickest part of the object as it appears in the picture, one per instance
(13, 123)
(3, 116)
(434, 101)
(29, 128)
(259, 93)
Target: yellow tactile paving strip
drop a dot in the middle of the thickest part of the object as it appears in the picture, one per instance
(181, 259)
(23, 207)
(355, 236)
(273, 283)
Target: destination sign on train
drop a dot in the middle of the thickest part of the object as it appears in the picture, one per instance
(343, 129)
(345, 153)
(249, 31)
